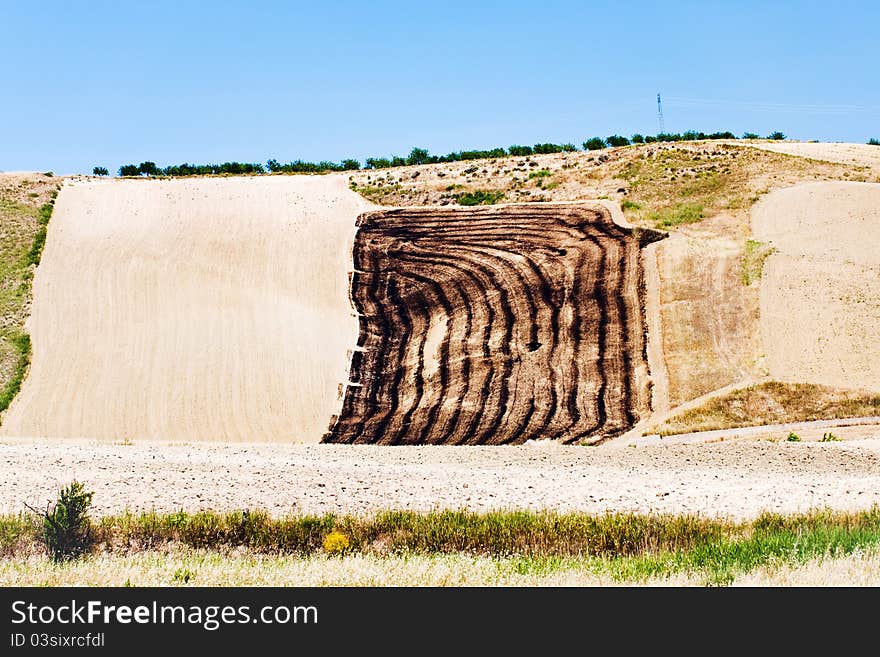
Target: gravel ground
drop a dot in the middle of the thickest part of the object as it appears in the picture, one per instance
(737, 479)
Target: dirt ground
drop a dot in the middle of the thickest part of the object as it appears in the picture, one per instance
(820, 290)
(197, 309)
(737, 478)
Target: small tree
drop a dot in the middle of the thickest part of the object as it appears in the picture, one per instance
(750, 135)
(418, 156)
(777, 136)
(637, 139)
(149, 169)
(594, 144)
(100, 171)
(873, 142)
(67, 529)
(129, 170)
(617, 140)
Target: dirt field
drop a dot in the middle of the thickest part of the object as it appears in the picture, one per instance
(820, 291)
(218, 309)
(859, 154)
(497, 326)
(738, 478)
(198, 309)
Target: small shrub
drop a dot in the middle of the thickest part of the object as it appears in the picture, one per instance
(100, 171)
(183, 576)
(129, 170)
(873, 142)
(776, 136)
(542, 173)
(479, 197)
(829, 437)
(67, 529)
(637, 139)
(594, 144)
(626, 204)
(750, 135)
(793, 437)
(617, 140)
(336, 543)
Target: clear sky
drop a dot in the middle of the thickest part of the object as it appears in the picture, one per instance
(108, 83)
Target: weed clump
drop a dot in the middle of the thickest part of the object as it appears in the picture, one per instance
(336, 543)
(67, 528)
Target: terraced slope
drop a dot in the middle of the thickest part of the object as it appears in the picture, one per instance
(496, 325)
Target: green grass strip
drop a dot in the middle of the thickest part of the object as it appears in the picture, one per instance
(629, 547)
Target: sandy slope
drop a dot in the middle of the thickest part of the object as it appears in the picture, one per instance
(820, 294)
(197, 309)
(738, 478)
(861, 154)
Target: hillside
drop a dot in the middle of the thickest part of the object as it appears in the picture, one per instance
(218, 308)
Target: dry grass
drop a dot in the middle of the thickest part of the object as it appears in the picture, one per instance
(861, 568)
(772, 403)
(199, 567)
(815, 550)
(449, 548)
(659, 185)
(23, 202)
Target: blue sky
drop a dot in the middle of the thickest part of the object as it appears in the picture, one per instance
(108, 83)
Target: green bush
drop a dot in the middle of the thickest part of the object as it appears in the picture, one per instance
(129, 170)
(67, 529)
(594, 144)
(750, 135)
(617, 140)
(873, 142)
(149, 169)
(637, 139)
(793, 437)
(418, 156)
(776, 136)
(100, 171)
(544, 149)
(479, 197)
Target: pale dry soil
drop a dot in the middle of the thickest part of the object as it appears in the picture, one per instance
(734, 478)
(193, 309)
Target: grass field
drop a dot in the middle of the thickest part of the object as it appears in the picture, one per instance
(448, 548)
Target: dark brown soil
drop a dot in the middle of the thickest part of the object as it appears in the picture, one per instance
(538, 318)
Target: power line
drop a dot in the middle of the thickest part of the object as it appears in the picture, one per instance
(758, 106)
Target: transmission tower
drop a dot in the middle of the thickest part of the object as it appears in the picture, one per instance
(660, 113)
